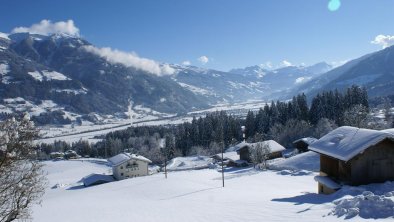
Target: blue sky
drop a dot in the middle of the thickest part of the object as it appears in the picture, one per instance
(230, 33)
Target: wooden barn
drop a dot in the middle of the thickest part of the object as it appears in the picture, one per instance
(275, 149)
(354, 156)
(302, 144)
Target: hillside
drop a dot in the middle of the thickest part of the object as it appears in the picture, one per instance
(374, 71)
(60, 68)
(197, 195)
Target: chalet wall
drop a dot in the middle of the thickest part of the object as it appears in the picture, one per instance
(301, 146)
(336, 169)
(131, 168)
(375, 165)
(329, 166)
(244, 154)
(275, 155)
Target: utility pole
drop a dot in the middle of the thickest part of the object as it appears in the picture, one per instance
(243, 133)
(222, 165)
(165, 166)
(162, 147)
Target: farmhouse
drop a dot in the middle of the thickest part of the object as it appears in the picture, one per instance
(354, 156)
(243, 149)
(302, 144)
(56, 155)
(127, 165)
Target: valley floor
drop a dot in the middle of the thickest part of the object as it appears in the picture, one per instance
(195, 195)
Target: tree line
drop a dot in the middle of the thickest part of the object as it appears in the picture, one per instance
(282, 121)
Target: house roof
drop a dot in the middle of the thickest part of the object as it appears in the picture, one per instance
(389, 130)
(307, 140)
(236, 147)
(139, 157)
(346, 142)
(123, 157)
(273, 145)
(233, 156)
(96, 178)
(326, 181)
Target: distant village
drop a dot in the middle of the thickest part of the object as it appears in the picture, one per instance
(348, 156)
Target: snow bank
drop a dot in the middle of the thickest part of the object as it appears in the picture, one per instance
(36, 75)
(376, 204)
(189, 163)
(4, 69)
(309, 161)
(49, 75)
(53, 75)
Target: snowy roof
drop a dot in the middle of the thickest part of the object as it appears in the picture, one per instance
(96, 178)
(273, 145)
(233, 156)
(346, 142)
(326, 181)
(236, 147)
(307, 140)
(389, 130)
(139, 157)
(123, 157)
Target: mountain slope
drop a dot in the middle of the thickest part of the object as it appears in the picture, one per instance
(283, 79)
(374, 71)
(58, 68)
(217, 86)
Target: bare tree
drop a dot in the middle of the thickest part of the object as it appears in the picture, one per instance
(259, 155)
(22, 181)
(323, 127)
(357, 116)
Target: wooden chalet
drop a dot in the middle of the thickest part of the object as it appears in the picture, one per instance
(244, 149)
(354, 156)
(302, 144)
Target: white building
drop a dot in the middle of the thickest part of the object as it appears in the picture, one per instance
(127, 165)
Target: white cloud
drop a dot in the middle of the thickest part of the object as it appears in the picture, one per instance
(285, 63)
(46, 27)
(186, 63)
(131, 60)
(302, 79)
(203, 59)
(4, 36)
(384, 40)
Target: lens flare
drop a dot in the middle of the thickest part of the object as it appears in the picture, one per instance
(334, 5)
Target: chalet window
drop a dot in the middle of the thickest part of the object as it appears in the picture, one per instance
(121, 174)
(121, 167)
(132, 165)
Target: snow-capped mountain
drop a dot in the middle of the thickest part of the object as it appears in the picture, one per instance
(282, 79)
(217, 86)
(57, 67)
(374, 71)
(256, 70)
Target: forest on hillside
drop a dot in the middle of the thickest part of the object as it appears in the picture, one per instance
(283, 122)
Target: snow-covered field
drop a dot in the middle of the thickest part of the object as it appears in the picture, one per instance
(198, 195)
